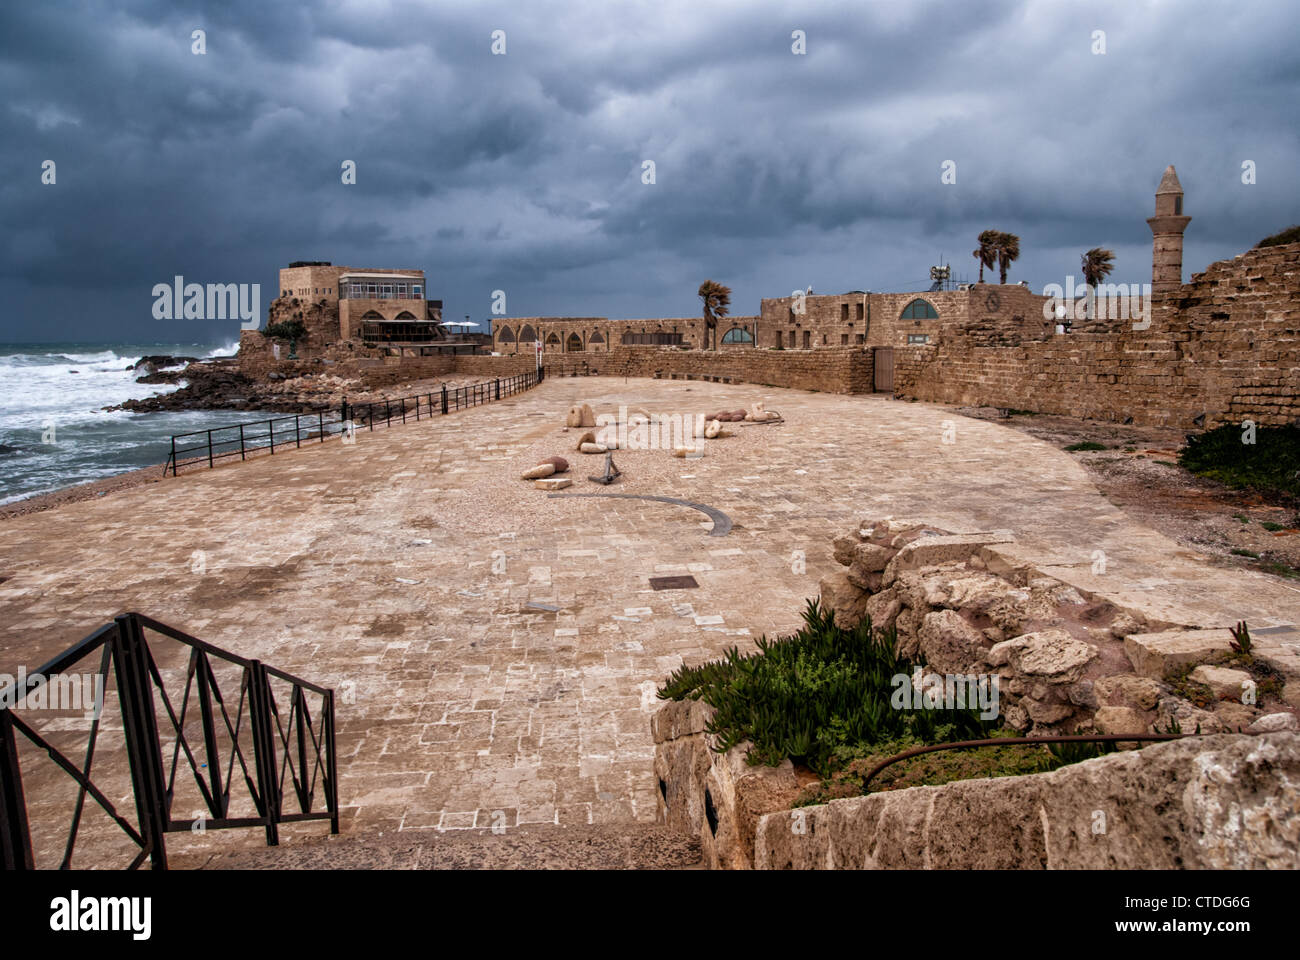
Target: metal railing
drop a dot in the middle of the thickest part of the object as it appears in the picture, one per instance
(262, 436)
(281, 736)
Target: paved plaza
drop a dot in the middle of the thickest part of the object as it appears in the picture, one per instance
(400, 570)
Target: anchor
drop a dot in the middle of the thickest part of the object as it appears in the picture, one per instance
(611, 473)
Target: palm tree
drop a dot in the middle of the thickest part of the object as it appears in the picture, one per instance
(717, 303)
(1096, 265)
(987, 252)
(1008, 252)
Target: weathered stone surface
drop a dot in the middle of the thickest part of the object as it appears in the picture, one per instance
(1161, 654)
(883, 609)
(553, 483)
(1046, 713)
(870, 557)
(842, 548)
(1222, 802)
(1128, 689)
(1275, 722)
(908, 642)
(1224, 683)
(985, 595)
(848, 601)
(1052, 655)
(1234, 717)
(592, 448)
(1120, 720)
(929, 551)
(718, 797)
(539, 471)
(950, 644)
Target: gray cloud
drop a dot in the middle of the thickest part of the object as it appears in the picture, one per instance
(523, 172)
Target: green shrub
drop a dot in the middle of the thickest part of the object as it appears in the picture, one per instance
(815, 697)
(287, 330)
(1085, 445)
(1289, 235)
(1270, 465)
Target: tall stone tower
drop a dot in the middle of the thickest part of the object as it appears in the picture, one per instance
(1167, 228)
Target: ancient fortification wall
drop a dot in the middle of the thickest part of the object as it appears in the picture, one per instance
(1226, 345)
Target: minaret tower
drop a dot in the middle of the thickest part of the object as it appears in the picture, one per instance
(1167, 228)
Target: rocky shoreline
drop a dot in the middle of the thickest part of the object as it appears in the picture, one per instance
(221, 385)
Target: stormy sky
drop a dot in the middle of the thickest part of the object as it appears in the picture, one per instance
(524, 172)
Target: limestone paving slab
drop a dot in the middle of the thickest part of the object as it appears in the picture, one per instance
(498, 649)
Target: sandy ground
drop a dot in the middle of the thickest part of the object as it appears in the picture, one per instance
(1139, 473)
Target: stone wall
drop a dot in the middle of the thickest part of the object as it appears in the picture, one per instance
(1226, 346)
(1220, 802)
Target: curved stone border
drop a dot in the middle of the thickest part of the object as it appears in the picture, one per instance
(721, 522)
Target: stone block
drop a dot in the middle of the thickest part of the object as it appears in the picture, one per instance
(1160, 655)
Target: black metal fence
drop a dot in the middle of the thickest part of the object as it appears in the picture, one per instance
(206, 447)
(234, 726)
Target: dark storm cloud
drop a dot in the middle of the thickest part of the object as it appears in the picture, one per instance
(523, 172)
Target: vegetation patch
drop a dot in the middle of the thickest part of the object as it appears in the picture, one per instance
(1270, 465)
(1289, 235)
(1085, 445)
(819, 697)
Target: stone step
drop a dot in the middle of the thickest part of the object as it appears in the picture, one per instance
(631, 846)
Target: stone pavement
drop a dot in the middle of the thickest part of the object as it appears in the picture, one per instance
(400, 570)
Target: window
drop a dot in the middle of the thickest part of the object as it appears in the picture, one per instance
(416, 291)
(388, 291)
(596, 338)
(1178, 206)
(807, 339)
(862, 338)
(738, 335)
(844, 339)
(527, 334)
(860, 311)
(574, 343)
(507, 335)
(651, 339)
(919, 309)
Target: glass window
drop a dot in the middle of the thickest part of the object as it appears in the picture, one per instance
(919, 309)
(415, 291)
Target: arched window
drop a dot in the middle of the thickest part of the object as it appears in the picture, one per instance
(596, 338)
(527, 334)
(574, 344)
(507, 335)
(553, 340)
(738, 335)
(406, 316)
(919, 309)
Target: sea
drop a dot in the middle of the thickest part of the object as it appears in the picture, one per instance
(54, 430)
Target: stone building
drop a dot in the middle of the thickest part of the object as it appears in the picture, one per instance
(372, 305)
